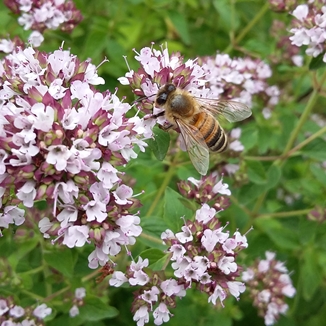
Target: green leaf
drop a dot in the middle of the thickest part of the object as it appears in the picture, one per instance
(307, 230)
(21, 251)
(94, 309)
(225, 11)
(160, 145)
(61, 260)
(281, 236)
(94, 43)
(250, 192)
(317, 62)
(256, 172)
(274, 174)
(157, 258)
(181, 25)
(310, 275)
(174, 210)
(152, 229)
(316, 149)
(249, 136)
(319, 173)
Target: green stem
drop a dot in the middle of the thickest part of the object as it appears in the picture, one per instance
(291, 152)
(312, 101)
(151, 238)
(33, 271)
(305, 142)
(168, 176)
(251, 24)
(55, 294)
(235, 201)
(167, 261)
(34, 295)
(286, 214)
(261, 158)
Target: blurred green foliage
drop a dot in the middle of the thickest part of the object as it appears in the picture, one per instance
(113, 29)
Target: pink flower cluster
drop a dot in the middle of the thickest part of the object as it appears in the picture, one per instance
(239, 79)
(153, 291)
(285, 52)
(207, 189)
(61, 141)
(159, 68)
(202, 254)
(309, 27)
(11, 314)
(269, 283)
(39, 15)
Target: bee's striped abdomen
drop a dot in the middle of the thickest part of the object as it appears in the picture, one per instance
(212, 132)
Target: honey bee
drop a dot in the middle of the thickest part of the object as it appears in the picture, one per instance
(196, 119)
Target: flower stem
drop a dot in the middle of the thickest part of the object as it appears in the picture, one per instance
(249, 26)
(168, 176)
(151, 238)
(312, 101)
(305, 142)
(286, 214)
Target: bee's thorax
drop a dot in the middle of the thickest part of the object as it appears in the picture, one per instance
(182, 105)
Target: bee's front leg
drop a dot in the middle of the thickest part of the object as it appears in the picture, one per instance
(167, 125)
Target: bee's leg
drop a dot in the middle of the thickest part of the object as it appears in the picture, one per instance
(158, 114)
(166, 127)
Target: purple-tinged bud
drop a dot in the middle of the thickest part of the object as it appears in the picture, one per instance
(48, 138)
(98, 235)
(50, 190)
(41, 191)
(282, 5)
(34, 94)
(81, 180)
(59, 133)
(25, 175)
(83, 199)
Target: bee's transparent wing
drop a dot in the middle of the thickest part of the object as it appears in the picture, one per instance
(232, 111)
(196, 146)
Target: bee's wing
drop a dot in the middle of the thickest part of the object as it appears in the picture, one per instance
(232, 111)
(196, 146)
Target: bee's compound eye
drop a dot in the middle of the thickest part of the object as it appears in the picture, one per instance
(171, 88)
(161, 99)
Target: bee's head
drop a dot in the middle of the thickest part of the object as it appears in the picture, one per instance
(163, 94)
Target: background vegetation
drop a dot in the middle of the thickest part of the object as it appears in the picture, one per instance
(282, 178)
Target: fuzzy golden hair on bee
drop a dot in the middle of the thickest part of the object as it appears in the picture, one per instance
(197, 120)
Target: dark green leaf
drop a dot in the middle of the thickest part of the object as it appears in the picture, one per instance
(310, 274)
(160, 145)
(250, 192)
(180, 23)
(317, 62)
(274, 174)
(156, 258)
(319, 173)
(307, 230)
(249, 137)
(94, 309)
(316, 149)
(152, 229)
(282, 237)
(22, 251)
(174, 210)
(61, 260)
(256, 172)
